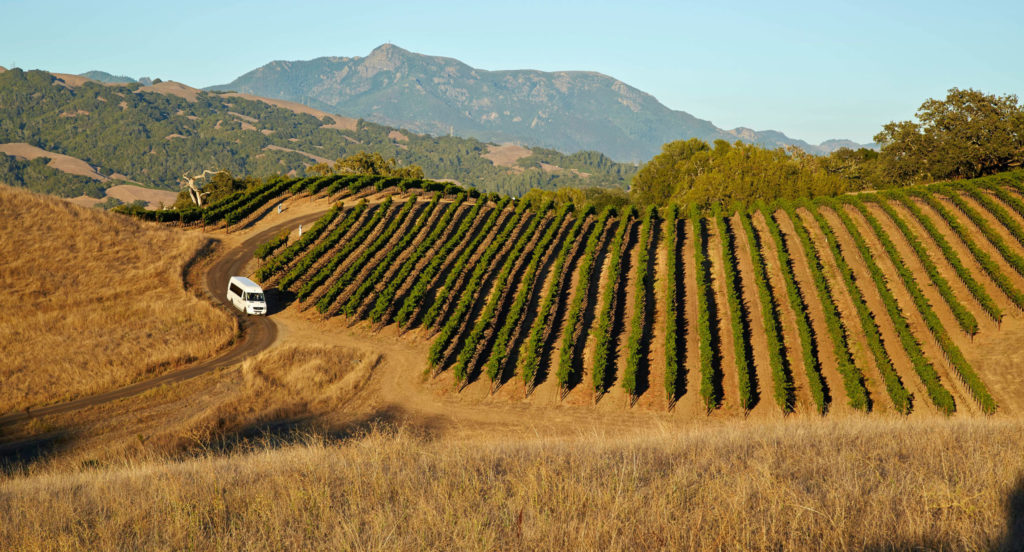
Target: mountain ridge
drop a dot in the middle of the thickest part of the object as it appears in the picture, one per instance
(564, 110)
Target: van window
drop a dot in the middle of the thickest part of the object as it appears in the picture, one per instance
(235, 289)
(257, 297)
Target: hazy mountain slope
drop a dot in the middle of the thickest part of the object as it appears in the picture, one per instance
(568, 111)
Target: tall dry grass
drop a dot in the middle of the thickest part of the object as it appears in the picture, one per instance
(277, 388)
(808, 485)
(91, 301)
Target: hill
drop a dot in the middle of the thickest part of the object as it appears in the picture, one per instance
(346, 431)
(151, 135)
(93, 302)
(567, 110)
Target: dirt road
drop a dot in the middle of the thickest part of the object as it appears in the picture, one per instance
(257, 332)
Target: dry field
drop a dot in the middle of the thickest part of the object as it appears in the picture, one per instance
(91, 301)
(865, 484)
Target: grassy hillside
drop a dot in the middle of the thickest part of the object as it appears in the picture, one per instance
(151, 135)
(93, 301)
(855, 485)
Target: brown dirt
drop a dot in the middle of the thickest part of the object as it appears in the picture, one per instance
(855, 337)
(891, 341)
(59, 161)
(787, 317)
(585, 389)
(172, 88)
(689, 404)
(351, 259)
(510, 377)
(461, 212)
(316, 158)
(826, 349)
(910, 259)
(548, 390)
(459, 286)
(727, 353)
(398, 136)
(981, 240)
(563, 297)
(72, 81)
(960, 291)
(375, 259)
(623, 313)
(340, 123)
(505, 290)
(506, 155)
(153, 198)
(294, 236)
(402, 257)
(766, 406)
(655, 397)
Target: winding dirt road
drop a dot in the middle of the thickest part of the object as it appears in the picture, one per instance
(257, 332)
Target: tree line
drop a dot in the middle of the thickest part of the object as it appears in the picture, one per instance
(968, 134)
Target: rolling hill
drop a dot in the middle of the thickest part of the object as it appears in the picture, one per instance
(151, 135)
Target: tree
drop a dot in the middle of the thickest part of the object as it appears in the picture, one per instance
(969, 134)
(195, 192)
(658, 179)
(690, 171)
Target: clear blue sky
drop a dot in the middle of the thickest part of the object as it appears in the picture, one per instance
(814, 70)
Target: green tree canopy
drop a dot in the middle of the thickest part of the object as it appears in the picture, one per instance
(690, 171)
(969, 134)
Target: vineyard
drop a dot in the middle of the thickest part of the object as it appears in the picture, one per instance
(865, 302)
(244, 207)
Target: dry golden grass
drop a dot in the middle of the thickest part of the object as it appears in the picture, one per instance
(276, 387)
(92, 301)
(810, 485)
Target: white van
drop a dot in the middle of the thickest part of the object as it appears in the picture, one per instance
(246, 295)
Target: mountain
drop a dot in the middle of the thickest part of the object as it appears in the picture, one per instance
(69, 135)
(566, 110)
(103, 76)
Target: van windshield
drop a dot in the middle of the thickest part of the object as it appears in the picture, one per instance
(255, 297)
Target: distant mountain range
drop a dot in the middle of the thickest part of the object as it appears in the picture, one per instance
(567, 110)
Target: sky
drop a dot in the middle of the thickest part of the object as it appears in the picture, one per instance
(814, 70)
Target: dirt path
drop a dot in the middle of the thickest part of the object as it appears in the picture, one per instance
(257, 333)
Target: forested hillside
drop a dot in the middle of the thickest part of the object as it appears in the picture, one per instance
(152, 135)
